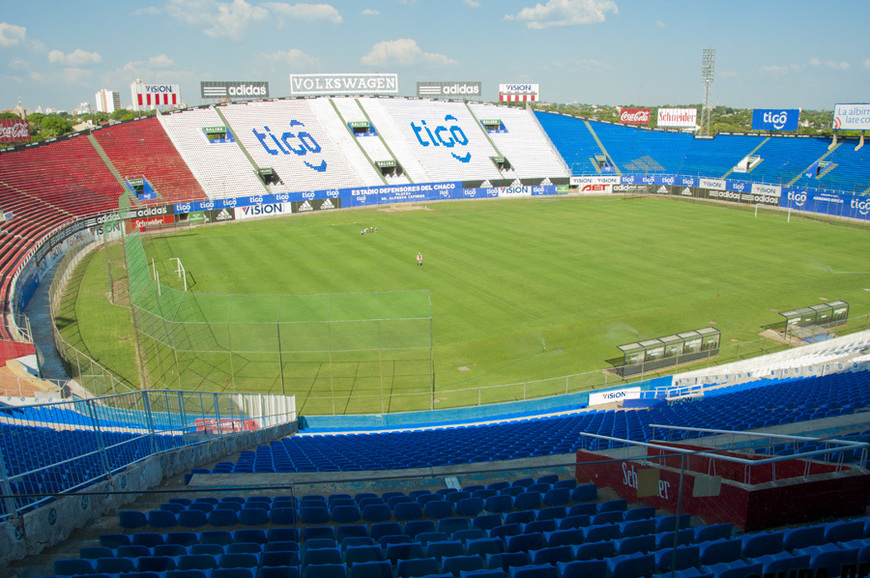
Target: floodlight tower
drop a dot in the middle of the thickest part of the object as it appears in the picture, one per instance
(708, 69)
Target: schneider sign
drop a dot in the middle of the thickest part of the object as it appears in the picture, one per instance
(449, 89)
(234, 89)
(336, 84)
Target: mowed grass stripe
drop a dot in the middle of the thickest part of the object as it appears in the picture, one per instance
(535, 288)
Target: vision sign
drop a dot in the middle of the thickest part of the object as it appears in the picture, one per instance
(338, 84)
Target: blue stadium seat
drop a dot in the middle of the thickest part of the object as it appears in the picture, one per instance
(762, 544)
(534, 571)
(483, 546)
(162, 519)
(408, 511)
(720, 551)
(686, 557)
(442, 548)
(132, 519)
(552, 554)
(632, 566)
(325, 571)
(356, 554)
(804, 537)
(413, 567)
(374, 569)
(457, 564)
(507, 559)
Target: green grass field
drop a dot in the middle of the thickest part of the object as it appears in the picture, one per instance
(521, 290)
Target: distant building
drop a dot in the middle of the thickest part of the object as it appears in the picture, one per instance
(83, 108)
(108, 101)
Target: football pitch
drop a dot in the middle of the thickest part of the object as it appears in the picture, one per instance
(521, 290)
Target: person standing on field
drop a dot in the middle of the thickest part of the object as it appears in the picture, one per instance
(420, 259)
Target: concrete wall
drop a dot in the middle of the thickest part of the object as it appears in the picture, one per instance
(54, 522)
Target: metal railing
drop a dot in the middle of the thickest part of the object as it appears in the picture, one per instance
(51, 449)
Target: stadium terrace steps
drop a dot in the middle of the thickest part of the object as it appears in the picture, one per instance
(290, 136)
(222, 169)
(529, 152)
(744, 407)
(479, 530)
(374, 147)
(573, 139)
(353, 149)
(142, 148)
(437, 122)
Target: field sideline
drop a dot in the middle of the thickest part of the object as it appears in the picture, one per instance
(524, 289)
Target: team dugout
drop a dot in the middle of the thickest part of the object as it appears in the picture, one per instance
(651, 354)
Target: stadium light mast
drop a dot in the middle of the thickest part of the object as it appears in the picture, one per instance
(708, 70)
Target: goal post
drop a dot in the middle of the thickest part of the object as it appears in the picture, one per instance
(349, 352)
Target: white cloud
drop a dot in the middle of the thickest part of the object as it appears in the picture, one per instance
(306, 12)
(472, 3)
(19, 64)
(219, 19)
(402, 52)
(160, 61)
(781, 69)
(564, 13)
(67, 76)
(867, 63)
(830, 64)
(370, 12)
(10, 34)
(293, 57)
(76, 58)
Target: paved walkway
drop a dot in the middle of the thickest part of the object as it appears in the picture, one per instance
(38, 312)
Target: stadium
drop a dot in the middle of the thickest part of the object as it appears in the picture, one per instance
(267, 433)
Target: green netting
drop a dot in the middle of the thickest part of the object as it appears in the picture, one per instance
(336, 346)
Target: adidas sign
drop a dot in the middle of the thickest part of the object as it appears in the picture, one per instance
(327, 204)
(306, 206)
(224, 215)
(662, 190)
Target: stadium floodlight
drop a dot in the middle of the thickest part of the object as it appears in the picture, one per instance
(708, 71)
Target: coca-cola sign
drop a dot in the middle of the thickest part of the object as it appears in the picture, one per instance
(14, 130)
(634, 115)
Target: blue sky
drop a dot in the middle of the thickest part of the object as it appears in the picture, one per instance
(769, 53)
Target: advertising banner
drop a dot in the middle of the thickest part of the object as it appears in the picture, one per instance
(851, 117)
(775, 119)
(507, 192)
(827, 203)
(261, 210)
(234, 90)
(149, 95)
(336, 84)
(14, 130)
(614, 395)
(519, 92)
(677, 117)
(712, 184)
(768, 190)
(310, 205)
(595, 184)
(144, 222)
(459, 90)
(634, 115)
